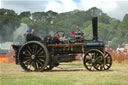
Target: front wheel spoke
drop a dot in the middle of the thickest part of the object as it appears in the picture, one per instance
(89, 65)
(99, 67)
(107, 65)
(97, 55)
(88, 61)
(91, 68)
(108, 60)
(100, 62)
(97, 58)
(94, 55)
(106, 55)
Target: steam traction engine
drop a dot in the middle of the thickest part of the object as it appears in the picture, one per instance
(37, 55)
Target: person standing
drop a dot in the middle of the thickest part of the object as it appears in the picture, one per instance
(78, 34)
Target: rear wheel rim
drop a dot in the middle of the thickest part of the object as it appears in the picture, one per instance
(33, 56)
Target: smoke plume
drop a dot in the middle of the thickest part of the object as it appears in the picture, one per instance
(18, 35)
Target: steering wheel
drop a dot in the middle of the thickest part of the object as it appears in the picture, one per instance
(60, 34)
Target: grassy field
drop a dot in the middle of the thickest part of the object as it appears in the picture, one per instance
(67, 74)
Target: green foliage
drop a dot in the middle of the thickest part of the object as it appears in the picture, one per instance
(88, 32)
(25, 14)
(27, 21)
(9, 21)
(104, 18)
(123, 30)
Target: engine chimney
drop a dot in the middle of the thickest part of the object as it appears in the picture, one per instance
(94, 28)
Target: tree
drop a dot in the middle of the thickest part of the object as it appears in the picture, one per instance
(123, 30)
(27, 21)
(9, 21)
(104, 18)
(25, 14)
(94, 12)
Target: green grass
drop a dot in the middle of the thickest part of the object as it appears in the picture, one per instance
(67, 74)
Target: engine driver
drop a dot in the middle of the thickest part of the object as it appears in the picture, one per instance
(30, 36)
(78, 34)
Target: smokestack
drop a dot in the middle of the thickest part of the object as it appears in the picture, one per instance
(94, 28)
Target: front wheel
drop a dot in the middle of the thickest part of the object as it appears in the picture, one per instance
(108, 60)
(94, 60)
(33, 56)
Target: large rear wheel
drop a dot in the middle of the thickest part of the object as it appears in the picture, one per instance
(33, 56)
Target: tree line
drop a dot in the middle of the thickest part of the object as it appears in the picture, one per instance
(111, 30)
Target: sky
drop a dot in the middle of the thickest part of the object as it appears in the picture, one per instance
(114, 8)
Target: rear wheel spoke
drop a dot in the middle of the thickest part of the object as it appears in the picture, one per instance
(39, 62)
(41, 53)
(28, 52)
(29, 64)
(26, 58)
(38, 51)
(25, 53)
(29, 49)
(35, 66)
(35, 48)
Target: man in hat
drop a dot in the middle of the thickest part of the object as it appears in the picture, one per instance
(27, 32)
(30, 36)
(78, 34)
